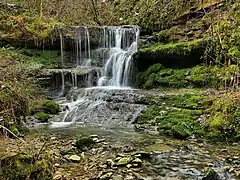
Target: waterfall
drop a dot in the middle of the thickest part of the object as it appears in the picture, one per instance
(118, 68)
(107, 63)
(61, 43)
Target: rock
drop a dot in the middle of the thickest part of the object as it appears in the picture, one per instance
(137, 161)
(82, 155)
(95, 139)
(93, 136)
(57, 177)
(123, 161)
(211, 175)
(129, 165)
(110, 162)
(106, 176)
(118, 177)
(143, 154)
(138, 176)
(57, 165)
(84, 141)
(74, 158)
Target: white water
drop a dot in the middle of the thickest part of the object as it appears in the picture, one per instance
(113, 55)
(119, 68)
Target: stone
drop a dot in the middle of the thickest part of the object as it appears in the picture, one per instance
(137, 161)
(118, 177)
(95, 139)
(57, 165)
(75, 158)
(106, 176)
(57, 177)
(110, 162)
(129, 165)
(138, 176)
(123, 161)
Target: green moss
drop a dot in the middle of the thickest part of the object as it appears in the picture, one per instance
(84, 142)
(46, 58)
(50, 107)
(181, 48)
(211, 116)
(23, 166)
(196, 77)
(42, 116)
(14, 129)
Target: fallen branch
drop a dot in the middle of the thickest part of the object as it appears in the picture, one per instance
(1, 126)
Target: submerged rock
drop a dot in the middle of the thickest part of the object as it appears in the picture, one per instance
(75, 158)
(123, 161)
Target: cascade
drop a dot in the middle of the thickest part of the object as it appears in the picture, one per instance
(113, 54)
(106, 71)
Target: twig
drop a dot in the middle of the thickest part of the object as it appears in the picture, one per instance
(1, 126)
(40, 152)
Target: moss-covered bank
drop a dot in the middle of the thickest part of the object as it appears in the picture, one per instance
(209, 115)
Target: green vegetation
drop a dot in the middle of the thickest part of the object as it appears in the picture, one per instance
(43, 117)
(196, 77)
(210, 116)
(177, 49)
(22, 166)
(17, 89)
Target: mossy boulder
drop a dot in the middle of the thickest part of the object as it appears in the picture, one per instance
(50, 107)
(42, 117)
(83, 142)
(22, 166)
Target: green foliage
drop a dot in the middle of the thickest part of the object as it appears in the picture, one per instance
(23, 166)
(223, 45)
(174, 115)
(14, 130)
(17, 89)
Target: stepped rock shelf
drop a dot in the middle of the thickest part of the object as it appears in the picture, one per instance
(87, 64)
(100, 76)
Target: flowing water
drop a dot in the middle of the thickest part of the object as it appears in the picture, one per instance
(100, 79)
(105, 72)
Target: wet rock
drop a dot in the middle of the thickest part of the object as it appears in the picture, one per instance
(74, 158)
(123, 161)
(211, 175)
(118, 177)
(106, 176)
(137, 161)
(84, 142)
(110, 162)
(138, 176)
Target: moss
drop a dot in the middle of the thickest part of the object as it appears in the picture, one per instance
(196, 77)
(212, 116)
(174, 115)
(46, 58)
(22, 166)
(14, 129)
(84, 142)
(50, 107)
(43, 117)
(181, 48)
